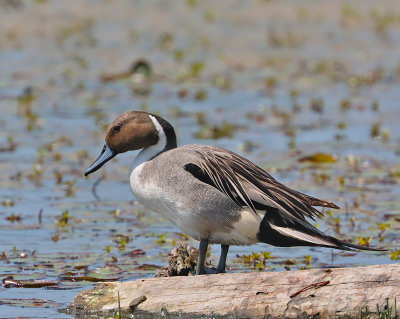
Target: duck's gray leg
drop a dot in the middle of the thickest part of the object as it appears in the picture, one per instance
(222, 259)
(200, 269)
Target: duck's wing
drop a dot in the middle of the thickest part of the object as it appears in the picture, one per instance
(249, 185)
(284, 223)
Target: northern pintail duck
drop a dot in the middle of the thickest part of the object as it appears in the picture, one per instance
(213, 195)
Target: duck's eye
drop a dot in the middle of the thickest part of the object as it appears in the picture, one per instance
(117, 128)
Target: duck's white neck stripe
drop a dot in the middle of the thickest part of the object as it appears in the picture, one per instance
(151, 151)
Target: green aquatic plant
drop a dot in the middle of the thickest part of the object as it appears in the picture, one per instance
(63, 219)
(349, 12)
(255, 260)
(161, 239)
(36, 173)
(319, 158)
(120, 240)
(10, 146)
(382, 20)
(209, 16)
(285, 38)
(200, 95)
(292, 142)
(223, 82)
(178, 55)
(69, 188)
(375, 106)
(345, 105)
(195, 68)
(133, 34)
(341, 125)
(214, 132)
(375, 130)
(270, 82)
(385, 135)
(382, 227)
(395, 255)
(364, 241)
(165, 40)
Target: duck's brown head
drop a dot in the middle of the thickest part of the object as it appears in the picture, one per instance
(128, 132)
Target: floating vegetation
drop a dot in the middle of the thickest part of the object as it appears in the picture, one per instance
(79, 32)
(69, 188)
(10, 282)
(63, 219)
(375, 106)
(196, 68)
(166, 40)
(317, 105)
(375, 130)
(177, 112)
(120, 240)
(200, 95)
(284, 38)
(383, 20)
(319, 158)
(364, 241)
(248, 146)
(37, 173)
(270, 83)
(223, 82)
(215, 132)
(14, 218)
(256, 260)
(178, 55)
(8, 202)
(345, 105)
(395, 255)
(161, 239)
(10, 146)
(209, 16)
(30, 303)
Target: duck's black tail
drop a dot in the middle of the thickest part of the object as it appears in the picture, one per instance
(277, 230)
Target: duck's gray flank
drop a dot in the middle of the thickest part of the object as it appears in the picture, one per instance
(210, 193)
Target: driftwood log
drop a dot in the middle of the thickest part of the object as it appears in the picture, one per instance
(319, 293)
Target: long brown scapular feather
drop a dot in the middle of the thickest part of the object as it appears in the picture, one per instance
(229, 172)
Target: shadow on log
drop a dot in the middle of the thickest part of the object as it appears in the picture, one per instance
(317, 293)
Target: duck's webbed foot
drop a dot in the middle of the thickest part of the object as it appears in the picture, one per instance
(208, 271)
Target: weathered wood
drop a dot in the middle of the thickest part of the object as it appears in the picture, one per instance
(344, 292)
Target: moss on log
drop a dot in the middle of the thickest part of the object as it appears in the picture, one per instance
(319, 293)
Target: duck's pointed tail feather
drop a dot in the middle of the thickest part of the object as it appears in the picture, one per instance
(278, 231)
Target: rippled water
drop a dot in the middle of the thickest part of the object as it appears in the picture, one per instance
(294, 79)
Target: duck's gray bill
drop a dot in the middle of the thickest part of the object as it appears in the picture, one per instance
(105, 155)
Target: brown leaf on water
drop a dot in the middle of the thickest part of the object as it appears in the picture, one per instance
(147, 267)
(30, 302)
(10, 282)
(87, 278)
(14, 218)
(137, 252)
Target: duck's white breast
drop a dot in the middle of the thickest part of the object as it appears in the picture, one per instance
(147, 191)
